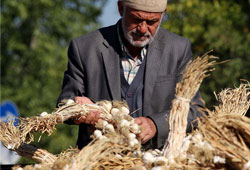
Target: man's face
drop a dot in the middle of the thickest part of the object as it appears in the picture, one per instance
(140, 27)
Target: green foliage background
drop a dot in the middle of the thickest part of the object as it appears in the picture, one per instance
(221, 25)
(35, 36)
(34, 40)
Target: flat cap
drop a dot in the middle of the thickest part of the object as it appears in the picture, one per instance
(147, 5)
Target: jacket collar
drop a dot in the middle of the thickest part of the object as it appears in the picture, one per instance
(111, 58)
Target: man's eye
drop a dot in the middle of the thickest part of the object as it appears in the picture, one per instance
(151, 22)
(137, 20)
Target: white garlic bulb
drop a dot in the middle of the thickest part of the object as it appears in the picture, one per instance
(43, 114)
(110, 128)
(135, 128)
(246, 166)
(131, 136)
(102, 137)
(124, 110)
(97, 133)
(133, 142)
(198, 137)
(104, 123)
(118, 156)
(37, 166)
(114, 111)
(69, 101)
(124, 123)
(148, 158)
(218, 159)
(157, 168)
(10, 146)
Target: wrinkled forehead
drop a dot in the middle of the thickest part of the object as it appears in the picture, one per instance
(146, 5)
(130, 12)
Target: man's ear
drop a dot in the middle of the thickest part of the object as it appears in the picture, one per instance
(120, 7)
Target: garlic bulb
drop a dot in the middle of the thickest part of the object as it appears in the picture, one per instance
(124, 123)
(110, 128)
(97, 133)
(114, 111)
(148, 158)
(10, 146)
(37, 166)
(157, 168)
(131, 136)
(118, 156)
(104, 123)
(135, 128)
(131, 143)
(160, 161)
(135, 141)
(218, 159)
(69, 101)
(43, 114)
(124, 110)
(102, 137)
(246, 166)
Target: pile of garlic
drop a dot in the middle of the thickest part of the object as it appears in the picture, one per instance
(116, 119)
(195, 141)
(154, 160)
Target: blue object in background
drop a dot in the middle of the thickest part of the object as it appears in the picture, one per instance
(9, 112)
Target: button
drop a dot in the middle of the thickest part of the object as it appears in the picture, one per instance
(129, 94)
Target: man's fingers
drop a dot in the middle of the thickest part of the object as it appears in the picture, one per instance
(147, 127)
(91, 118)
(145, 139)
(83, 100)
(80, 120)
(138, 121)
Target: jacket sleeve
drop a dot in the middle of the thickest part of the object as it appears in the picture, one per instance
(73, 82)
(160, 119)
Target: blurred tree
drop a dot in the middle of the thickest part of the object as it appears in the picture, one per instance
(221, 25)
(34, 40)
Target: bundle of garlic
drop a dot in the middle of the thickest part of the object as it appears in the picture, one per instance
(115, 115)
(234, 101)
(223, 137)
(199, 153)
(192, 77)
(10, 137)
(119, 122)
(153, 159)
(229, 135)
(45, 123)
(106, 153)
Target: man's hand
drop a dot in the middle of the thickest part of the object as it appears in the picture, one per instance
(83, 100)
(148, 129)
(92, 117)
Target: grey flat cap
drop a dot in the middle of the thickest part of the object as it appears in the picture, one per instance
(147, 5)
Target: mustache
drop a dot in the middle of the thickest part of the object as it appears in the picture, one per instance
(139, 34)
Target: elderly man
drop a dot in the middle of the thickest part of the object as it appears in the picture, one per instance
(134, 60)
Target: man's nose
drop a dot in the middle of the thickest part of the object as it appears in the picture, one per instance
(142, 27)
